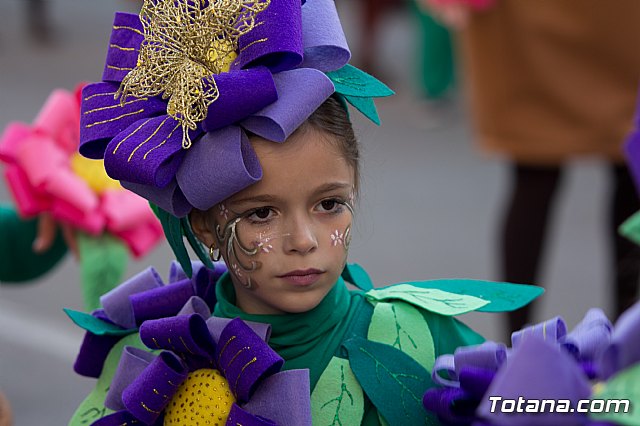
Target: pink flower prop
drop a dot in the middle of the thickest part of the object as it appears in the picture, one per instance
(45, 173)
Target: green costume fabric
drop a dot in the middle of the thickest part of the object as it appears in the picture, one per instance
(312, 339)
(369, 352)
(437, 73)
(19, 262)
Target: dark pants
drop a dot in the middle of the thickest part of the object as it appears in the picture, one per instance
(525, 224)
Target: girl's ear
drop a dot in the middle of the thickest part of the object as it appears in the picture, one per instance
(201, 226)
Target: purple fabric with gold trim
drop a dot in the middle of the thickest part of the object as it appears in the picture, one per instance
(145, 297)
(145, 384)
(545, 363)
(274, 84)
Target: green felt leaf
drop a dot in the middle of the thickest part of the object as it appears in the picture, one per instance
(92, 408)
(337, 398)
(355, 274)
(392, 380)
(502, 297)
(630, 228)
(402, 326)
(96, 325)
(195, 244)
(352, 81)
(624, 385)
(173, 231)
(434, 300)
(103, 261)
(366, 106)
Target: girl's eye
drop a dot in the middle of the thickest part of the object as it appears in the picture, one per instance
(261, 214)
(330, 205)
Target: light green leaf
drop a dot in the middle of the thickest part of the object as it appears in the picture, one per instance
(502, 297)
(103, 261)
(92, 408)
(402, 326)
(626, 386)
(337, 398)
(96, 325)
(434, 300)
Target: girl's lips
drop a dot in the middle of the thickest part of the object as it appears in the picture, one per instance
(302, 278)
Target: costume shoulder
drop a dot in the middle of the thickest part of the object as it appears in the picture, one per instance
(411, 324)
(19, 262)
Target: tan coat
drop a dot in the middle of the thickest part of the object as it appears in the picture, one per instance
(551, 79)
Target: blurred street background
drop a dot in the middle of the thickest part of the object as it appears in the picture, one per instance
(429, 209)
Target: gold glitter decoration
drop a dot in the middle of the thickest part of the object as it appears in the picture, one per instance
(186, 43)
(203, 399)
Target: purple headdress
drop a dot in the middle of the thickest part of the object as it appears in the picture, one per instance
(185, 81)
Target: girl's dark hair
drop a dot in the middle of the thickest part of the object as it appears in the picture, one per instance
(332, 118)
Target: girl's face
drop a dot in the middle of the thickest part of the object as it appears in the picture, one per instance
(285, 238)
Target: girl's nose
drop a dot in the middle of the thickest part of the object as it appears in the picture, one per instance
(301, 238)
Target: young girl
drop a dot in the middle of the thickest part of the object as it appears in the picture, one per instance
(267, 179)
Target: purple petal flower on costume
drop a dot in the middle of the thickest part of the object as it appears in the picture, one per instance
(144, 297)
(632, 147)
(230, 376)
(276, 81)
(545, 363)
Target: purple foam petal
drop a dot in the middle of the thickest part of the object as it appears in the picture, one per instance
(325, 46)
(161, 302)
(126, 37)
(169, 198)
(283, 398)
(476, 380)
(118, 418)
(444, 371)
(217, 324)
(238, 416)
(451, 405)
(132, 363)
(276, 39)
(204, 281)
(93, 353)
(590, 337)
(196, 305)
(241, 93)
(176, 273)
(624, 349)
(245, 359)
(148, 152)
(488, 355)
(116, 302)
(220, 164)
(184, 335)
(550, 330)
(300, 93)
(103, 117)
(537, 369)
(150, 393)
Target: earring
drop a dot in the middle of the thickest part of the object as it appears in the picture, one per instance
(214, 253)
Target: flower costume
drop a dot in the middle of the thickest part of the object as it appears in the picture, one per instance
(175, 129)
(595, 361)
(45, 174)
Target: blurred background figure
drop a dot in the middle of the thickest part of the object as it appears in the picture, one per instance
(38, 21)
(549, 81)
